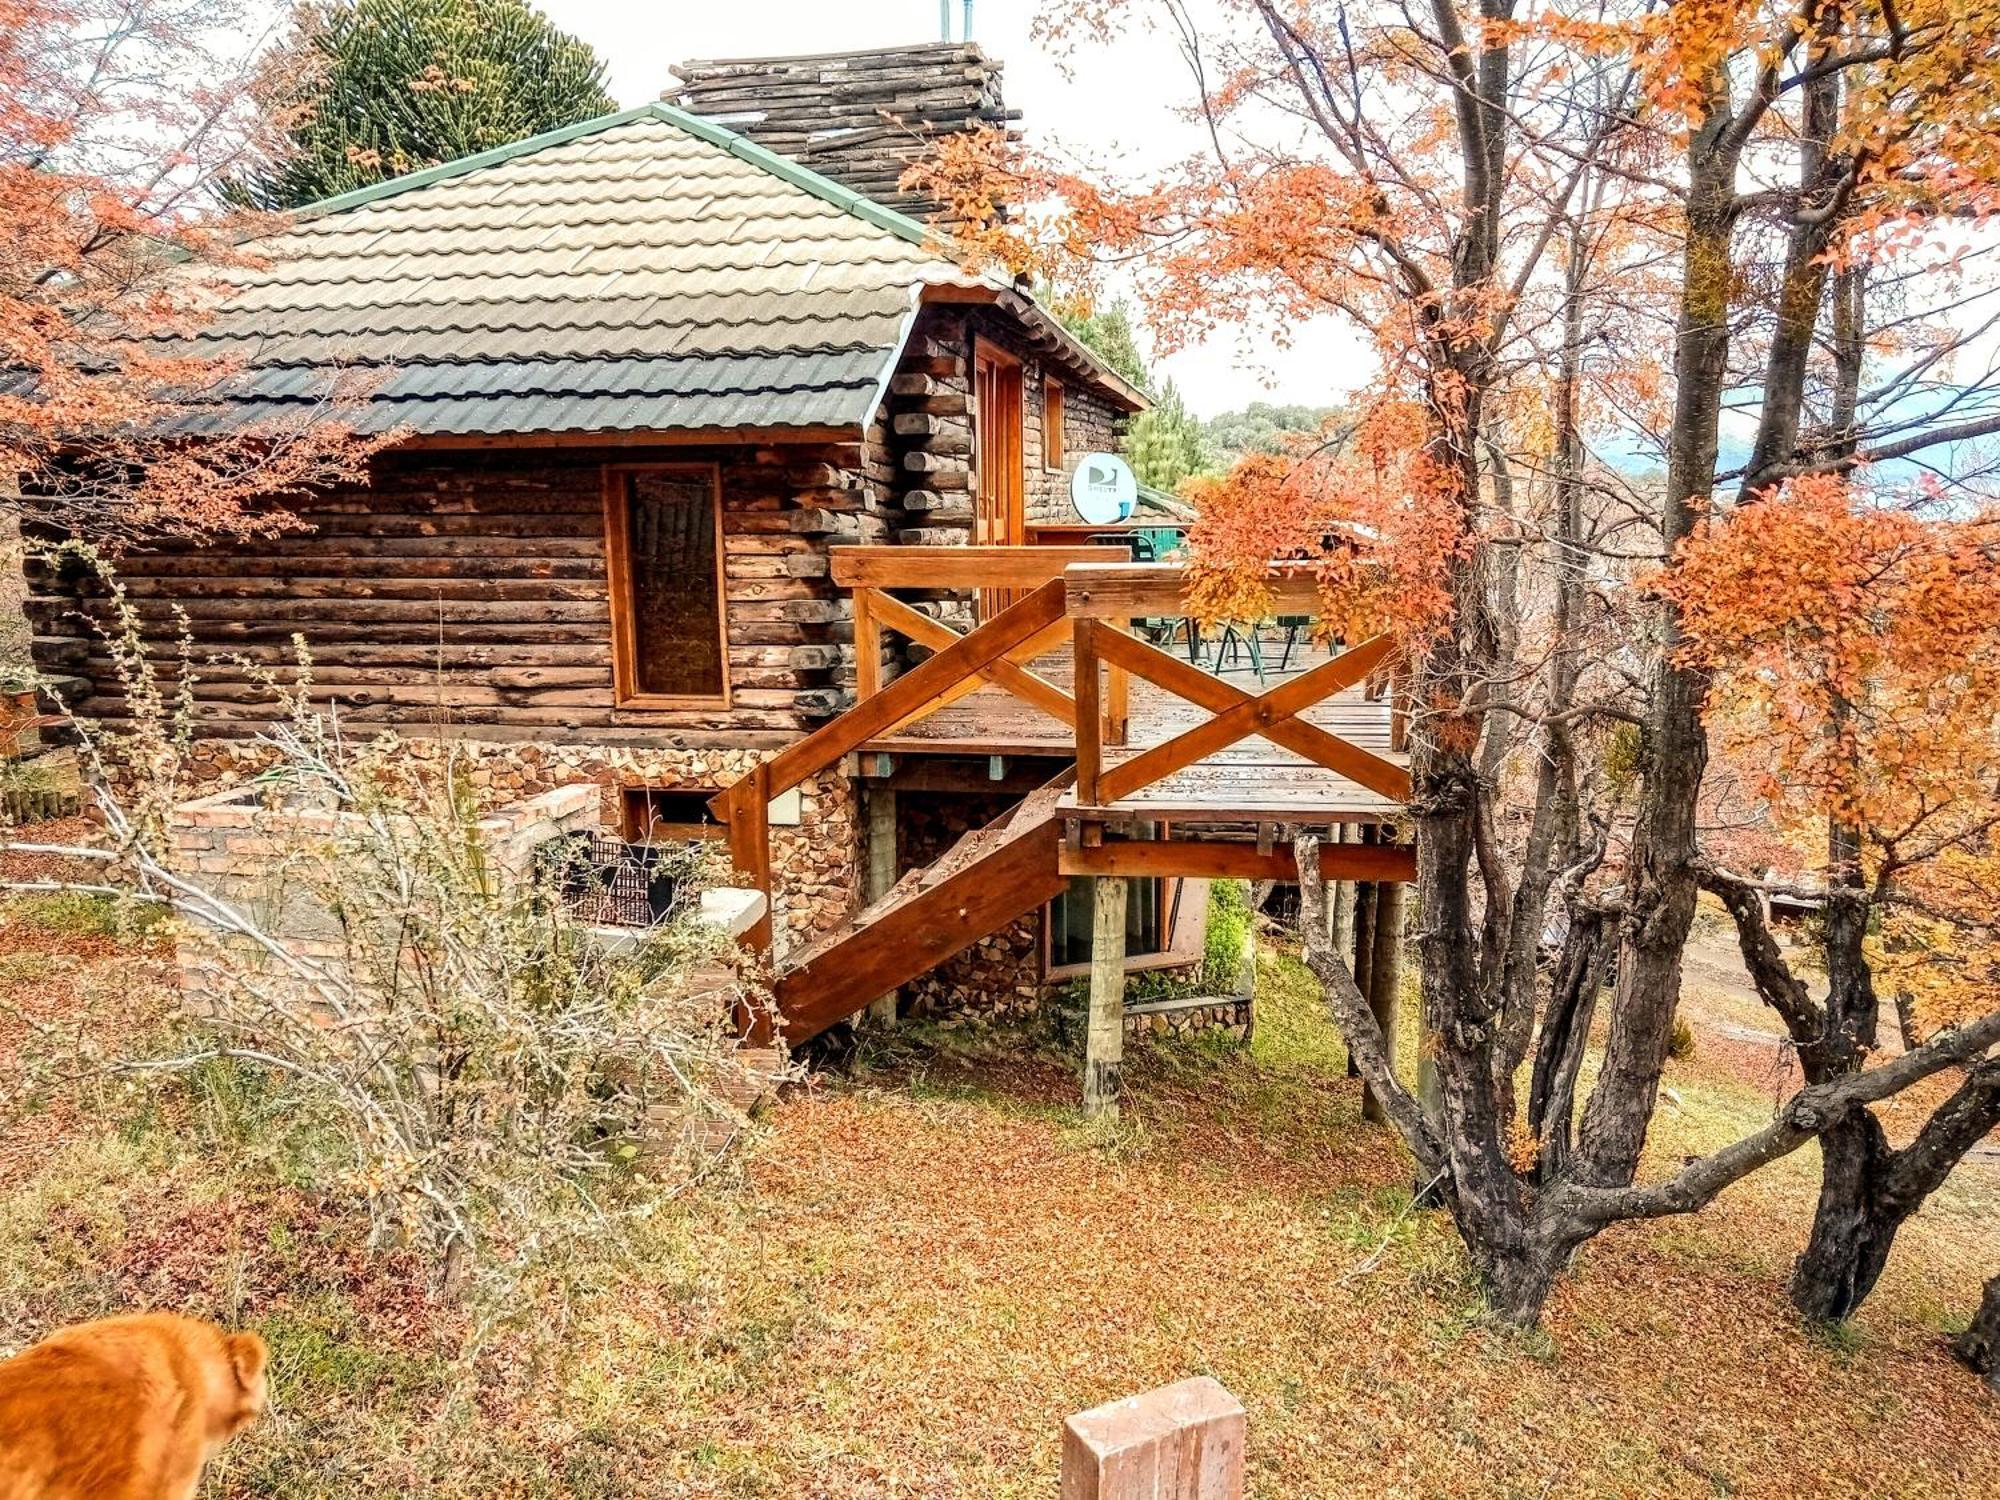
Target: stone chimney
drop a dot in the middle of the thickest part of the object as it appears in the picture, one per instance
(860, 118)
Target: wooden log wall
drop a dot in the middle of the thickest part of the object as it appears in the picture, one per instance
(860, 118)
(931, 420)
(471, 587)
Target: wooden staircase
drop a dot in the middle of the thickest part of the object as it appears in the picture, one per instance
(1081, 599)
(992, 876)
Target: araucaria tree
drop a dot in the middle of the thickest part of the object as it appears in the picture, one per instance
(385, 87)
(1567, 230)
(118, 118)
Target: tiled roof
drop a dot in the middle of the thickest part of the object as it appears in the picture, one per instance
(646, 271)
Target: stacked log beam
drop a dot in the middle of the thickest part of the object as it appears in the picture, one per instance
(473, 587)
(861, 118)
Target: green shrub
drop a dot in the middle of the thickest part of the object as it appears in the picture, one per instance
(1229, 920)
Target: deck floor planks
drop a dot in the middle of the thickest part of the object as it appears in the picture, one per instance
(1251, 779)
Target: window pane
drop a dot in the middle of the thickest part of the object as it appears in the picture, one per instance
(670, 546)
(1070, 919)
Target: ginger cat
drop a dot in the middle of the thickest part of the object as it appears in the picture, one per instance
(124, 1409)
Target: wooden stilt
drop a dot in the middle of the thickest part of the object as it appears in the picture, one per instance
(1385, 978)
(1340, 911)
(1104, 1043)
(879, 878)
(1364, 937)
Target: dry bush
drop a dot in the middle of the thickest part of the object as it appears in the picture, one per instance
(501, 1080)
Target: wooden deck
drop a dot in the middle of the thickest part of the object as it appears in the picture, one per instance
(1251, 780)
(1123, 734)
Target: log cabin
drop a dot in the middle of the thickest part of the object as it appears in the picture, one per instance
(724, 485)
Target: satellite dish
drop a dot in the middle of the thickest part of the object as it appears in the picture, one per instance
(1104, 489)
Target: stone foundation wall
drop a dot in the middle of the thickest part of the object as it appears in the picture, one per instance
(814, 866)
(1171, 1018)
(248, 847)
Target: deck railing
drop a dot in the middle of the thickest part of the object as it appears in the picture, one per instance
(1086, 597)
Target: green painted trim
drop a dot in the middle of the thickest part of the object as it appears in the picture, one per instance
(443, 171)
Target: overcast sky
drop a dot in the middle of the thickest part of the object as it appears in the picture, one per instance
(1116, 110)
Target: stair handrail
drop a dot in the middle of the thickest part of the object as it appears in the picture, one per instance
(745, 805)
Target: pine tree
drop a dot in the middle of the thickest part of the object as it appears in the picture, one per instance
(1165, 443)
(1108, 335)
(393, 86)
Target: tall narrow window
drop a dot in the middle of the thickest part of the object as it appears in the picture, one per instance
(664, 549)
(1052, 425)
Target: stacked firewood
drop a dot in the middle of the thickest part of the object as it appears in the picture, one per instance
(860, 118)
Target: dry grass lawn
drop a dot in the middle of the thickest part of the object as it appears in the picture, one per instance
(926, 1264)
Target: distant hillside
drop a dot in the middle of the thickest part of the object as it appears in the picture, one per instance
(1260, 427)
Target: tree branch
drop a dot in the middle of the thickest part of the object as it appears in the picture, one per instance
(1804, 1116)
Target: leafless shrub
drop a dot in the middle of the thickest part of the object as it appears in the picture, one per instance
(501, 1080)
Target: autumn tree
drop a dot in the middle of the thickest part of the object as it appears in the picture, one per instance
(384, 87)
(118, 118)
(1853, 649)
(1561, 230)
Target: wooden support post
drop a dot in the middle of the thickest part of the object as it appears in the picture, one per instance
(879, 878)
(867, 647)
(1385, 979)
(1118, 697)
(1104, 1039)
(1089, 715)
(750, 853)
(1180, 1442)
(1364, 939)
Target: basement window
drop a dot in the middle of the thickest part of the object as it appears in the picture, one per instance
(1149, 921)
(668, 815)
(663, 550)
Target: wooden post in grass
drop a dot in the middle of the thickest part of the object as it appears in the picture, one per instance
(1385, 979)
(1363, 966)
(879, 877)
(1104, 1037)
(1340, 939)
(1180, 1442)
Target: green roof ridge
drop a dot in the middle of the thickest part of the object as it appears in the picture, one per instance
(445, 170)
(739, 146)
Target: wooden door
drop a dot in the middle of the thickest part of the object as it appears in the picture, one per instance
(997, 514)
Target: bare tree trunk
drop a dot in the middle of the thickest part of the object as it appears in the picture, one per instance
(1868, 1192)
(1979, 1345)
(1660, 881)
(1564, 1040)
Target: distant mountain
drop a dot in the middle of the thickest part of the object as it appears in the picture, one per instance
(1260, 427)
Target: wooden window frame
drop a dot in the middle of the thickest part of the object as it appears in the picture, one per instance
(633, 807)
(1055, 408)
(618, 578)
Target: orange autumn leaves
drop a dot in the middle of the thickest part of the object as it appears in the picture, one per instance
(118, 124)
(1373, 513)
(1855, 653)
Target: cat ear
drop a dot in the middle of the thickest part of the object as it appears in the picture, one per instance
(247, 1356)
